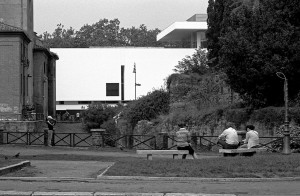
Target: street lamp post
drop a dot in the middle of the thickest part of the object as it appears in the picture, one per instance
(286, 134)
(135, 84)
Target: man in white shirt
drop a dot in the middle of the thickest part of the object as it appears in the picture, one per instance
(229, 138)
(252, 138)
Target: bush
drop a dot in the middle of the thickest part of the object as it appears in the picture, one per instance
(147, 107)
(96, 115)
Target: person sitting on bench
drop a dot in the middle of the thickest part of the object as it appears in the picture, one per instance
(252, 138)
(183, 138)
(229, 138)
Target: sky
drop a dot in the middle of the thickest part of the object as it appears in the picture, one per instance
(131, 13)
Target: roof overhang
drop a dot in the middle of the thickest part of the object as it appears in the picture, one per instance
(180, 30)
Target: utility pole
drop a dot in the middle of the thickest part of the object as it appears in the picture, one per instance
(135, 84)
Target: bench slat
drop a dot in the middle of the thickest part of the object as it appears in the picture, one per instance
(162, 152)
(242, 150)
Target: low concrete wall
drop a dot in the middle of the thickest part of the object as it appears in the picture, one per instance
(22, 126)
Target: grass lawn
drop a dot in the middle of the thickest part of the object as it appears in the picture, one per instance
(4, 163)
(258, 166)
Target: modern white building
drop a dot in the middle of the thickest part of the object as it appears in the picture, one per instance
(106, 74)
(94, 75)
(191, 31)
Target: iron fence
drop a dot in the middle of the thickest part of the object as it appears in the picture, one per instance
(200, 143)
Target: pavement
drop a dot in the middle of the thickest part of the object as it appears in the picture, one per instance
(65, 178)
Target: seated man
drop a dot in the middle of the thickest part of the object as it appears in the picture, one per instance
(229, 138)
(252, 138)
(183, 138)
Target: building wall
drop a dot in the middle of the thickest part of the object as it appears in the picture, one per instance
(52, 87)
(82, 73)
(10, 77)
(19, 13)
(40, 78)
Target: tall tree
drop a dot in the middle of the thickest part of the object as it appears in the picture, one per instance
(260, 39)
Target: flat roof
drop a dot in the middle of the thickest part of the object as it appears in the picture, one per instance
(179, 30)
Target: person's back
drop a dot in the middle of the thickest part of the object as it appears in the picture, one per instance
(252, 138)
(229, 138)
(182, 137)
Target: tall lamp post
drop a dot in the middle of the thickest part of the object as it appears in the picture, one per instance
(135, 84)
(286, 134)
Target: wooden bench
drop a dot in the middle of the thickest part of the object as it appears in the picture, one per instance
(241, 151)
(175, 153)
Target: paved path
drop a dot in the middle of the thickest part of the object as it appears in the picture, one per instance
(50, 184)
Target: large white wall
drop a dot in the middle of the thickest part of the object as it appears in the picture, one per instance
(82, 73)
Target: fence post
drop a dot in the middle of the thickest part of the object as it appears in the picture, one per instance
(72, 138)
(46, 137)
(194, 140)
(28, 138)
(130, 141)
(1, 136)
(164, 140)
(97, 136)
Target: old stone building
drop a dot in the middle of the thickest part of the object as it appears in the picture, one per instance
(27, 70)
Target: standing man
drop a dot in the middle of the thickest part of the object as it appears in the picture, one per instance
(50, 122)
(229, 138)
(183, 138)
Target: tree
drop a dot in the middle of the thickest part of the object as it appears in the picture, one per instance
(258, 41)
(197, 63)
(102, 33)
(97, 115)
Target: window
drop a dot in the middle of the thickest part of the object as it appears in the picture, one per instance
(112, 89)
(84, 102)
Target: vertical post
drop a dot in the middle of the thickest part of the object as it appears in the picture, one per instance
(1, 136)
(134, 71)
(286, 134)
(46, 137)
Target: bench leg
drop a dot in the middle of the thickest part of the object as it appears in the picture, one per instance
(149, 156)
(230, 154)
(175, 156)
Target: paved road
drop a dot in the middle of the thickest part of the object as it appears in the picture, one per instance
(79, 183)
(156, 185)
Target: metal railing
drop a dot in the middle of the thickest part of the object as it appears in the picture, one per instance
(200, 143)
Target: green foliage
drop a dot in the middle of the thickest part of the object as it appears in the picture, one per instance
(254, 40)
(197, 63)
(102, 33)
(96, 115)
(110, 126)
(237, 116)
(147, 107)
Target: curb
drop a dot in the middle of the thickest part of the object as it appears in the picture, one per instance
(142, 178)
(15, 167)
(16, 193)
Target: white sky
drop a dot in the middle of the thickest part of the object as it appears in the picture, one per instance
(75, 13)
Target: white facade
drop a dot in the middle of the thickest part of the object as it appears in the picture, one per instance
(82, 73)
(193, 30)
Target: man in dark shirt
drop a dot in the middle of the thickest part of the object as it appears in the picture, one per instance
(50, 122)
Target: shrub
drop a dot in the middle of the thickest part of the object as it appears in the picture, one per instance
(147, 107)
(96, 115)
